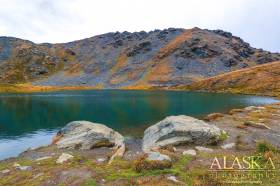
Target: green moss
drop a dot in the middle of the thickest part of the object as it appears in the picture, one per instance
(224, 135)
(90, 182)
(122, 169)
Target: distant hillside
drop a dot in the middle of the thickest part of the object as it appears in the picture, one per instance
(160, 58)
(262, 79)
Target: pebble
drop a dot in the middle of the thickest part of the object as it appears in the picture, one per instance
(24, 168)
(43, 158)
(228, 146)
(101, 160)
(190, 152)
(200, 148)
(172, 178)
(5, 171)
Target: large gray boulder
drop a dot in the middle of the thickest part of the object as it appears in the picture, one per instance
(176, 130)
(86, 135)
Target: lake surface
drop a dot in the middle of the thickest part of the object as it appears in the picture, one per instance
(30, 120)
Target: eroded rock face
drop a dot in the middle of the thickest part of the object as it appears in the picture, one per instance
(176, 130)
(86, 135)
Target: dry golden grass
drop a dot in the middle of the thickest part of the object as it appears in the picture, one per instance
(161, 73)
(28, 88)
(121, 62)
(261, 79)
(171, 46)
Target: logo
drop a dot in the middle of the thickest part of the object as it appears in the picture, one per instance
(243, 163)
(243, 170)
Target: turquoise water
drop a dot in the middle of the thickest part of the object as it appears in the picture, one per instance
(30, 120)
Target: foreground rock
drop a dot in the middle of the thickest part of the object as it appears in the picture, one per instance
(228, 146)
(24, 168)
(43, 158)
(85, 135)
(256, 125)
(176, 130)
(204, 149)
(5, 171)
(190, 152)
(156, 156)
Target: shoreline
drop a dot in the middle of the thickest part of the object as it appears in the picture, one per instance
(29, 88)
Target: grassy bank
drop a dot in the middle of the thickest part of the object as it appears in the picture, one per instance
(29, 88)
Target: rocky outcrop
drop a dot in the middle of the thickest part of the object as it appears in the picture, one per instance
(159, 58)
(176, 130)
(85, 135)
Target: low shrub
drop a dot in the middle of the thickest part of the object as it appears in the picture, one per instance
(142, 164)
(263, 146)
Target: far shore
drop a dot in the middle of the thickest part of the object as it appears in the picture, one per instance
(29, 88)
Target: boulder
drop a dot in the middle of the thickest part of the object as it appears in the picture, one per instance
(176, 130)
(85, 135)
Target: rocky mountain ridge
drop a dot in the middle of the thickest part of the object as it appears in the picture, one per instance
(160, 58)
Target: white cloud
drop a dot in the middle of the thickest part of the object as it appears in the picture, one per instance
(256, 21)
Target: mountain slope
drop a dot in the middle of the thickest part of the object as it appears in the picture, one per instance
(160, 58)
(262, 79)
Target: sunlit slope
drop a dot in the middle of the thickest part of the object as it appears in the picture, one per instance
(262, 79)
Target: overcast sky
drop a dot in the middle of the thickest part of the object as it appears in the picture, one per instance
(256, 21)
